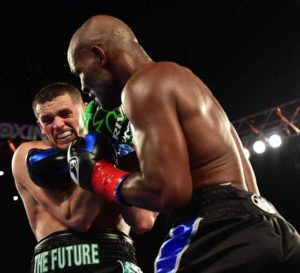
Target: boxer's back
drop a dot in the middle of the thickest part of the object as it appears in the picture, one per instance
(213, 152)
(214, 149)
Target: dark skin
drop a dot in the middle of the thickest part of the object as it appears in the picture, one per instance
(182, 136)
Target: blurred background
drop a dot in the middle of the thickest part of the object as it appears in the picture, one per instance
(247, 52)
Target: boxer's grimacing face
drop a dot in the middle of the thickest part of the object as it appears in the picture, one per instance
(61, 120)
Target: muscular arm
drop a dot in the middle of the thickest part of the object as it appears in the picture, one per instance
(140, 220)
(72, 206)
(164, 181)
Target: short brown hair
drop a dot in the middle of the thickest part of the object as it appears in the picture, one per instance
(53, 90)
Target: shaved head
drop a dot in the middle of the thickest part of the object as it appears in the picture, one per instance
(105, 53)
(102, 30)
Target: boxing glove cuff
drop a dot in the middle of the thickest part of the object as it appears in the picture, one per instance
(107, 181)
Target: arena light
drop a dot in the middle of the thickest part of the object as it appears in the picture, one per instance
(275, 141)
(247, 152)
(15, 198)
(259, 147)
(282, 120)
(1, 173)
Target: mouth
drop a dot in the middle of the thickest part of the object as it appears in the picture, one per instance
(64, 134)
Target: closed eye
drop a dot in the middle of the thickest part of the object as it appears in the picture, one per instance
(47, 119)
(64, 113)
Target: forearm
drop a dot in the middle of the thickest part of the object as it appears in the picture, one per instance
(150, 195)
(151, 191)
(153, 188)
(134, 191)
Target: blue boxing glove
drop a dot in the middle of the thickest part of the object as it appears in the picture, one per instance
(48, 168)
(91, 166)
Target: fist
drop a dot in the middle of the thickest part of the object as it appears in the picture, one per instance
(83, 153)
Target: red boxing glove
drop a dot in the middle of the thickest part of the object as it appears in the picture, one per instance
(107, 181)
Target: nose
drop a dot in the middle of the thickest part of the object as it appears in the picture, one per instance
(58, 123)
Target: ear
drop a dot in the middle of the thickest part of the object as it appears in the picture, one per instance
(99, 54)
(41, 127)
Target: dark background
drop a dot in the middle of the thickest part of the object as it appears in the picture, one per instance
(247, 52)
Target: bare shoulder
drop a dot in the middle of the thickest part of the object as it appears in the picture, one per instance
(152, 81)
(162, 78)
(26, 146)
(160, 84)
(156, 74)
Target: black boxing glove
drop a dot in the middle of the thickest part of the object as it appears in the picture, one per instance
(48, 168)
(91, 168)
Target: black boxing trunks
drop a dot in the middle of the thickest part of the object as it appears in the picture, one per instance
(226, 230)
(97, 251)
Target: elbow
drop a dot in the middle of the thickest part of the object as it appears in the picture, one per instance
(144, 225)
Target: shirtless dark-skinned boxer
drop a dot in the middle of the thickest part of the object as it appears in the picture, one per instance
(191, 159)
